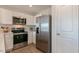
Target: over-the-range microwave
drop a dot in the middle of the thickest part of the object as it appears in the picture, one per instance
(19, 21)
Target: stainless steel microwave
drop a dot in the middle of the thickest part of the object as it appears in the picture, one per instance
(19, 21)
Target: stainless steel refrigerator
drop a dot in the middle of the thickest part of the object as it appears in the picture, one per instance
(43, 33)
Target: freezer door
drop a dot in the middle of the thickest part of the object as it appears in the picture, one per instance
(38, 32)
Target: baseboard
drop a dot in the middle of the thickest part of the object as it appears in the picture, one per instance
(9, 50)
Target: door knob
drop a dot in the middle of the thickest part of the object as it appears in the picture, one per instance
(58, 33)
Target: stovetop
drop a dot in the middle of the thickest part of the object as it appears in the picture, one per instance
(18, 30)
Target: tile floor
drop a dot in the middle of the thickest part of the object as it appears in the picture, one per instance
(28, 49)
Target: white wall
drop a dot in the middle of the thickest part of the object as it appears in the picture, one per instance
(44, 12)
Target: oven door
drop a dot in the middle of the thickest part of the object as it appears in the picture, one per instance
(19, 38)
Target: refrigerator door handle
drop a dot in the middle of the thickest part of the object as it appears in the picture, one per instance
(37, 30)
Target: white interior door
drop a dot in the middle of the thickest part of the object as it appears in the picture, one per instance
(66, 29)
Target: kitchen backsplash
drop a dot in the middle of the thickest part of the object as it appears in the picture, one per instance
(18, 26)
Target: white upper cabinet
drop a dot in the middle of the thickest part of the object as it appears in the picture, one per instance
(6, 16)
(30, 20)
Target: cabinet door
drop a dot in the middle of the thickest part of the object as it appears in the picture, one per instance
(25, 37)
(30, 37)
(30, 21)
(6, 17)
(2, 42)
(9, 41)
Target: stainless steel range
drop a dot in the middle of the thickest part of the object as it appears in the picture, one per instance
(20, 37)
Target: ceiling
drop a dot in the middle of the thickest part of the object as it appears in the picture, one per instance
(26, 9)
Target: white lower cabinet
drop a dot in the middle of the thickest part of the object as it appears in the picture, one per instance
(8, 41)
(2, 43)
(30, 37)
(34, 37)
